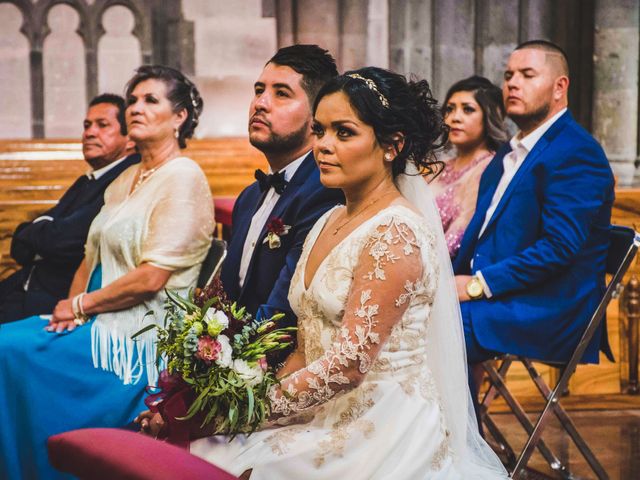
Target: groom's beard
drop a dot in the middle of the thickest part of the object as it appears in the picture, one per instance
(282, 143)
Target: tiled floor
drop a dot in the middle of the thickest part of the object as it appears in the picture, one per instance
(614, 437)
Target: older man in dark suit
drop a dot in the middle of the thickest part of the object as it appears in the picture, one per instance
(50, 248)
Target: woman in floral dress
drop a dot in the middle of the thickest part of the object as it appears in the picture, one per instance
(474, 112)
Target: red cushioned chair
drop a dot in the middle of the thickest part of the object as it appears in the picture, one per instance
(223, 211)
(109, 453)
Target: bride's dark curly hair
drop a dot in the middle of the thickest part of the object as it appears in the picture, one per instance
(391, 104)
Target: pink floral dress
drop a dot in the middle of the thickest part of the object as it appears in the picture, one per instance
(456, 192)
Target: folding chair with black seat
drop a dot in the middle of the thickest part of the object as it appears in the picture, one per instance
(212, 262)
(623, 246)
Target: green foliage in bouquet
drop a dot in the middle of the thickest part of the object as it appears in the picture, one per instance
(221, 352)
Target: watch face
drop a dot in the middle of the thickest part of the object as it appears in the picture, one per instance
(474, 288)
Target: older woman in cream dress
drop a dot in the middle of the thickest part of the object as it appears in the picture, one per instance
(153, 233)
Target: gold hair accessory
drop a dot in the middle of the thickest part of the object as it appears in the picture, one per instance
(372, 86)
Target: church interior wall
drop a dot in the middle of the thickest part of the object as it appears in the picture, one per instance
(56, 54)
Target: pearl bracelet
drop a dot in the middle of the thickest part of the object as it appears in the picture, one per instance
(78, 310)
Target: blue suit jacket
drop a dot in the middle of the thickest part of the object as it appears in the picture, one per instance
(266, 284)
(544, 249)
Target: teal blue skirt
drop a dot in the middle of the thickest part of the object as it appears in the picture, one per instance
(48, 385)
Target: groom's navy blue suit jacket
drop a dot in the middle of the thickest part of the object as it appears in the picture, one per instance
(266, 284)
(543, 252)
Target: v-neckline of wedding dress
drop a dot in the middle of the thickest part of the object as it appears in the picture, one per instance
(325, 219)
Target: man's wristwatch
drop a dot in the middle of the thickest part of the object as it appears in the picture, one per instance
(474, 288)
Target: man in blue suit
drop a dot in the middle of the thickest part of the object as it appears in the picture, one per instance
(531, 267)
(50, 248)
(272, 217)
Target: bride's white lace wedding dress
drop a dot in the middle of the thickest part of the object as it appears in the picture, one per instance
(366, 406)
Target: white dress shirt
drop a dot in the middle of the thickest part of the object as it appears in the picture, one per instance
(520, 148)
(96, 174)
(261, 216)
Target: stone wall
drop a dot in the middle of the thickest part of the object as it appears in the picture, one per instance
(57, 54)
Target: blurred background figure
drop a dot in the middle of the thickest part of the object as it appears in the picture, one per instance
(474, 112)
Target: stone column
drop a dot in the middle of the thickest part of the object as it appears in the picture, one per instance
(37, 92)
(378, 34)
(453, 49)
(535, 20)
(353, 34)
(411, 37)
(615, 96)
(320, 23)
(496, 36)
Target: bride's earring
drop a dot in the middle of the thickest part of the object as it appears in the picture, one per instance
(388, 157)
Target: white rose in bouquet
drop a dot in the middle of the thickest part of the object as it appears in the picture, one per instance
(216, 321)
(251, 375)
(224, 357)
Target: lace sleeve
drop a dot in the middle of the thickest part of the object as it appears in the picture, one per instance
(388, 270)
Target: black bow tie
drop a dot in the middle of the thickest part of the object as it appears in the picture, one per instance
(275, 180)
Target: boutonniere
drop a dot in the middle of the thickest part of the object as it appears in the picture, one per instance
(275, 229)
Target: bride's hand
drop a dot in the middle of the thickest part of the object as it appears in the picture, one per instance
(151, 423)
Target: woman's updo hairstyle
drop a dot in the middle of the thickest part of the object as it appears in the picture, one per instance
(181, 92)
(390, 104)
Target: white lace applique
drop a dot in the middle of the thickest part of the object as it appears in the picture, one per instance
(389, 262)
(282, 439)
(350, 422)
(411, 290)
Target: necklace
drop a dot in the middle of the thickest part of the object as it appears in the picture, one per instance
(358, 212)
(143, 175)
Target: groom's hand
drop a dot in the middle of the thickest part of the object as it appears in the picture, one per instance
(461, 287)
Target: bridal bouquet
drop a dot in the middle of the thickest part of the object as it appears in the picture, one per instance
(217, 372)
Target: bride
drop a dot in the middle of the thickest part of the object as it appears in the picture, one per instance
(377, 387)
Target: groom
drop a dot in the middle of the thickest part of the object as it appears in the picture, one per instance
(272, 216)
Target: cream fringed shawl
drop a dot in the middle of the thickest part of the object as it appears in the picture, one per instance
(168, 222)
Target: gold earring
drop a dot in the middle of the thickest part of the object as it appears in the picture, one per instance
(176, 133)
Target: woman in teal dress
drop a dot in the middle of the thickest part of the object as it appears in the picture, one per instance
(80, 367)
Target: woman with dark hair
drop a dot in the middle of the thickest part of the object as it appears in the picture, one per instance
(82, 368)
(474, 113)
(370, 392)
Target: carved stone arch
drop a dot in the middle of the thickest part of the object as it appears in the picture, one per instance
(142, 18)
(26, 7)
(42, 8)
(85, 30)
